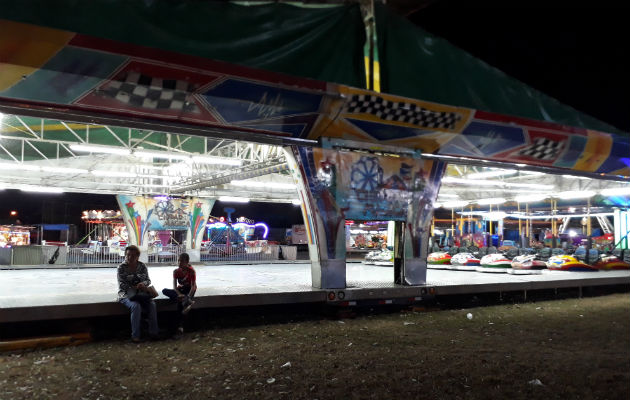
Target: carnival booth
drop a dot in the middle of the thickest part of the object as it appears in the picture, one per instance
(15, 235)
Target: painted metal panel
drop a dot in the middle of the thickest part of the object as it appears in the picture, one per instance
(153, 86)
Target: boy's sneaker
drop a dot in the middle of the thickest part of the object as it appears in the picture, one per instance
(187, 308)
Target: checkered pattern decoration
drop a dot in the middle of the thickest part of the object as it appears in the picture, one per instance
(399, 111)
(147, 92)
(543, 149)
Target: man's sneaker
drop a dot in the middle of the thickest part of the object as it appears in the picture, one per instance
(186, 309)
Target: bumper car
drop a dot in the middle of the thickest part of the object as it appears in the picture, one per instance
(438, 260)
(384, 258)
(370, 258)
(527, 265)
(464, 262)
(494, 263)
(611, 262)
(568, 263)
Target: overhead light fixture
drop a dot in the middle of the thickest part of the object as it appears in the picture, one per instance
(64, 170)
(100, 149)
(557, 216)
(259, 184)
(216, 160)
(576, 177)
(19, 166)
(455, 204)
(478, 182)
(160, 154)
(495, 200)
(531, 198)
(113, 174)
(492, 173)
(234, 199)
(39, 189)
(575, 194)
(494, 215)
(620, 191)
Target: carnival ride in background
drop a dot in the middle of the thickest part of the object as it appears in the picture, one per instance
(229, 239)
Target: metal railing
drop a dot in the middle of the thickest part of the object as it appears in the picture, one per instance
(222, 252)
(116, 255)
(97, 254)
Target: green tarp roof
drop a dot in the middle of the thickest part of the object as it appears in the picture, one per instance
(320, 43)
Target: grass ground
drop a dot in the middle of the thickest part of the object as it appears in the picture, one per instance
(561, 349)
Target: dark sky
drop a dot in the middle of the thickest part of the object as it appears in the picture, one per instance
(578, 55)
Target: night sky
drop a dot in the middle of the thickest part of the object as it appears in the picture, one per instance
(577, 55)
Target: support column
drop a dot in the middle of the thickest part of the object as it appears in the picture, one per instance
(417, 228)
(134, 213)
(198, 218)
(335, 185)
(324, 221)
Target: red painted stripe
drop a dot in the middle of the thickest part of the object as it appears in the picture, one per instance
(527, 123)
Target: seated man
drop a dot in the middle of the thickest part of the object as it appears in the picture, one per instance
(133, 283)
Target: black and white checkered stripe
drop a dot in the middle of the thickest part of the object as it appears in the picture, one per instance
(400, 111)
(148, 92)
(543, 149)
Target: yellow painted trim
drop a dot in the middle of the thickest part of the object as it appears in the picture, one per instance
(26, 48)
(49, 127)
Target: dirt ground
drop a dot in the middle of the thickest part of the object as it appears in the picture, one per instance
(561, 349)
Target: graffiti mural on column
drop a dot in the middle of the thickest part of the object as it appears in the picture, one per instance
(161, 213)
(135, 212)
(342, 185)
(198, 217)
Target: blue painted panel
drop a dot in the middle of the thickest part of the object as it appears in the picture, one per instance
(239, 101)
(67, 76)
(385, 131)
(490, 139)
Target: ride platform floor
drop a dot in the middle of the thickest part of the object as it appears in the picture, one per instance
(32, 294)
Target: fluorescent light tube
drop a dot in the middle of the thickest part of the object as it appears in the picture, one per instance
(259, 184)
(19, 166)
(40, 189)
(114, 174)
(158, 154)
(63, 170)
(621, 191)
(455, 204)
(234, 199)
(496, 200)
(216, 160)
(531, 198)
(575, 194)
(101, 149)
(492, 173)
